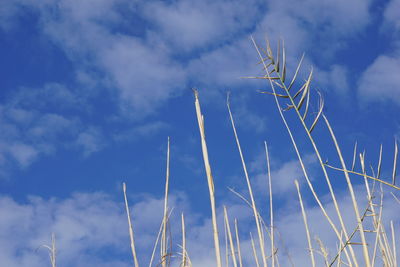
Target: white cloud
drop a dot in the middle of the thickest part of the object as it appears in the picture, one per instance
(91, 229)
(24, 154)
(190, 25)
(90, 140)
(282, 174)
(392, 16)
(8, 10)
(380, 81)
(145, 76)
(36, 121)
(147, 129)
(145, 65)
(83, 223)
(50, 96)
(339, 17)
(335, 78)
(225, 66)
(246, 118)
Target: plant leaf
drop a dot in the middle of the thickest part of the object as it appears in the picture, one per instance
(278, 95)
(295, 74)
(283, 62)
(305, 91)
(321, 107)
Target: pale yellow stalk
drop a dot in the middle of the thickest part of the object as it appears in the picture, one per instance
(238, 244)
(396, 151)
(268, 77)
(303, 212)
(352, 194)
(200, 120)
(163, 246)
(393, 244)
(183, 241)
(131, 235)
(231, 245)
(271, 210)
(254, 250)
(253, 203)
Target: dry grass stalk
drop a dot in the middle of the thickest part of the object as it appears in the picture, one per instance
(131, 235)
(379, 163)
(377, 178)
(371, 207)
(273, 256)
(226, 245)
(254, 250)
(352, 194)
(158, 239)
(308, 131)
(323, 250)
(200, 120)
(393, 244)
(303, 212)
(184, 257)
(364, 175)
(354, 156)
(164, 254)
(156, 243)
(238, 244)
(378, 229)
(396, 152)
(231, 245)
(381, 233)
(339, 260)
(253, 203)
(52, 250)
(396, 198)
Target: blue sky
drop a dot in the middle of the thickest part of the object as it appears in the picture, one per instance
(90, 91)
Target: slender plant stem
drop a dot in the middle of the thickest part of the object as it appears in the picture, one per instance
(303, 212)
(131, 235)
(200, 120)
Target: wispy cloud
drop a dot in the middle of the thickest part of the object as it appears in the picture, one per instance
(38, 121)
(87, 223)
(191, 25)
(380, 81)
(90, 140)
(282, 174)
(145, 130)
(150, 64)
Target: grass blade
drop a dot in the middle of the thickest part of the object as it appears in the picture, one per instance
(253, 203)
(232, 247)
(296, 73)
(379, 163)
(306, 91)
(353, 197)
(354, 156)
(283, 62)
(254, 250)
(303, 212)
(396, 151)
(200, 120)
(393, 244)
(131, 235)
(164, 232)
(238, 244)
(321, 108)
(271, 210)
